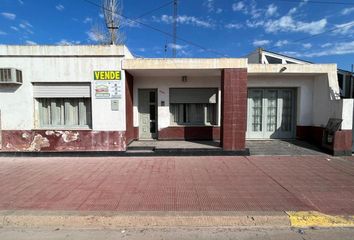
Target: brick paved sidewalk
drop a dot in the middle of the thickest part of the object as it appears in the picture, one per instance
(178, 184)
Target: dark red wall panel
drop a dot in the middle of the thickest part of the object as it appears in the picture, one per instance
(190, 133)
(69, 140)
(343, 142)
(130, 131)
(311, 134)
(233, 109)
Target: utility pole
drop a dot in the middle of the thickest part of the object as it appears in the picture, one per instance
(112, 10)
(112, 27)
(175, 16)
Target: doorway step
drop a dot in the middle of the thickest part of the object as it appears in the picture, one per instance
(179, 148)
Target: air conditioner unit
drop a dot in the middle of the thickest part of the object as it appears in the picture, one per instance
(10, 76)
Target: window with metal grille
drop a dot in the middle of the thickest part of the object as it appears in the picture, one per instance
(65, 112)
(18, 76)
(193, 106)
(193, 113)
(5, 75)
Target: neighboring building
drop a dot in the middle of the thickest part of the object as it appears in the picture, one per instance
(262, 56)
(346, 83)
(54, 107)
(100, 98)
(345, 78)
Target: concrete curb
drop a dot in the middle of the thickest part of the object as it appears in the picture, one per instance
(94, 220)
(34, 219)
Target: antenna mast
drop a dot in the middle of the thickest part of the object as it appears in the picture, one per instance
(175, 15)
(111, 11)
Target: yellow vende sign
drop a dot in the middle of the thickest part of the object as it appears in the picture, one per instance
(107, 75)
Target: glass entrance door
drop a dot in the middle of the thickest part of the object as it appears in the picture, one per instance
(271, 113)
(147, 113)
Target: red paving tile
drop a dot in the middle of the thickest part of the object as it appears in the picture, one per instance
(178, 184)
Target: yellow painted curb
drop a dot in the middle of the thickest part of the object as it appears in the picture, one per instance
(317, 219)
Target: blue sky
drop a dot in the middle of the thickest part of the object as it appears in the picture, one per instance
(231, 28)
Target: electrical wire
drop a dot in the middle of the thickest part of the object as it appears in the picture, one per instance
(158, 30)
(317, 2)
(211, 50)
(318, 34)
(154, 10)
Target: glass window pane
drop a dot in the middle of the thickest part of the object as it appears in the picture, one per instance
(71, 112)
(256, 109)
(87, 102)
(152, 127)
(152, 112)
(64, 112)
(272, 110)
(44, 112)
(211, 114)
(174, 113)
(287, 111)
(196, 113)
(82, 112)
(185, 112)
(56, 106)
(152, 97)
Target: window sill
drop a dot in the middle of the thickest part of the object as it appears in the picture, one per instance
(193, 125)
(62, 129)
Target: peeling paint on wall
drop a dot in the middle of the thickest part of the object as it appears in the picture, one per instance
(69, 136)
(58, 133)
(38, 143)
(123, 140)
(9, 145)
(49, 133)
(53, 140)
(25, 135)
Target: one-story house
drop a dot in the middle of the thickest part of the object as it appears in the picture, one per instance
(101, 98)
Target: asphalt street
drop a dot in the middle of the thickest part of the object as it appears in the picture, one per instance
(178, 234)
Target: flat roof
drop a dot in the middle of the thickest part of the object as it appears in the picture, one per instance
(183, 63)
(304, 69)
(64, 51)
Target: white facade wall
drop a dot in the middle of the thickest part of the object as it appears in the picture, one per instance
(17, 104)
(342, 109)
(162, 84)
(312, 104)
(315, 93)
(326, 90)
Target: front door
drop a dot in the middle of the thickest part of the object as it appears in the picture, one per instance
(271, 113)
(147, 113)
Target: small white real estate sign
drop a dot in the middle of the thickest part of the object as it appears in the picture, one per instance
(108, 84)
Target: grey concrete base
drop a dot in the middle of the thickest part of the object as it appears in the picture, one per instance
(131, 153)
(180, 144)
(342, 153)
(180, 148)
(282, 147)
